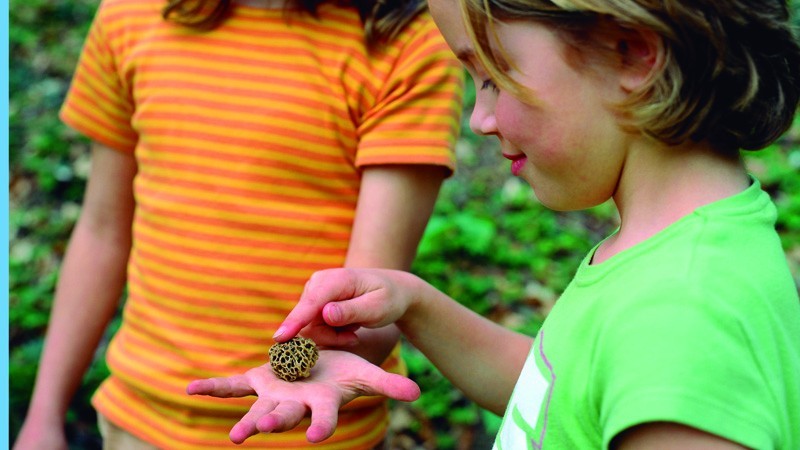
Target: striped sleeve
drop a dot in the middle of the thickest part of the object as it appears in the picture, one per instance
(416, 113)
(98, 105)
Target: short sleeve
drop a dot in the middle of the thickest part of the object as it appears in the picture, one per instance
(98, 104)
(682, 357)
(415, 117)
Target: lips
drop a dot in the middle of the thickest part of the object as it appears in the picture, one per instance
(517, 162)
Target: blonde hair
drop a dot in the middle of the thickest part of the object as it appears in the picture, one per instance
(730, 72)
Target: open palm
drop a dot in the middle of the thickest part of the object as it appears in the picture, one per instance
(337, 378)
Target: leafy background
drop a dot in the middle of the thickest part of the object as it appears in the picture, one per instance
(490, 244)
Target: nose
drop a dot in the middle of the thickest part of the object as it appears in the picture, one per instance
(482, 122)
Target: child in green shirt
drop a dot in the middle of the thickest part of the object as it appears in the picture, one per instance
(681, 329)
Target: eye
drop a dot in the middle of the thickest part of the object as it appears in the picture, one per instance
(488, 84)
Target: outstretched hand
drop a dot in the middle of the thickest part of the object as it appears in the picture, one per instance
(337, 378)
(337, 302)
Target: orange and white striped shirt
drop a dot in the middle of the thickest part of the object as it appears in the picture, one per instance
(249, 141)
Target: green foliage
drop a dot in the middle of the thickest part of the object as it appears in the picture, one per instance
(48, 174)
(490, 244)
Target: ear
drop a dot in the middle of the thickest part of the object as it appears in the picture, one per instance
(642, 55)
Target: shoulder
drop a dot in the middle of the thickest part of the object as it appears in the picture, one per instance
(421, 25)
(120, 9)
(421, 38)
(119, 17)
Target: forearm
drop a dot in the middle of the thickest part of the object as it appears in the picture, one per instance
(478, 356)
(395, 203)
(90, 283)
(88, 291)
(375, 345)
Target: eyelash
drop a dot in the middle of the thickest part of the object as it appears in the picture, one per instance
(487, 84)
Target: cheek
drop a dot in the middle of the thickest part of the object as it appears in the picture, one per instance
(515, 122)
(528, 129)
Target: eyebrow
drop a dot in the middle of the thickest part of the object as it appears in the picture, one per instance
(466, 55)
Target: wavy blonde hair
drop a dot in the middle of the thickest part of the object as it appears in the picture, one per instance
(730, 72)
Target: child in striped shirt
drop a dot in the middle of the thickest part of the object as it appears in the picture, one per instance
(237, 148)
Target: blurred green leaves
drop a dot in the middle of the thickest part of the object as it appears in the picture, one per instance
(490, 244)
(48, 166)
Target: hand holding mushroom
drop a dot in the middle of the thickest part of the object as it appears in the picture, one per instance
(337, 378)
(334, 304)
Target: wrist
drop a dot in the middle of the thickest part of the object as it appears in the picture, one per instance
(419, 292)
(47, 411)
(49, 418)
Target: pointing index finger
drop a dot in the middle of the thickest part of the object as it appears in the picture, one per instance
(322, 288)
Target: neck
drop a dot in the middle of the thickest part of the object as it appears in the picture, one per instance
(660, 184)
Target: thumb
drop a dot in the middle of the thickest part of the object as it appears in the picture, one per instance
(398, 387)
(322, 288)
(370, 309)
(392, 385)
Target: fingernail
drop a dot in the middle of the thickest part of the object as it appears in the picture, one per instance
(279, 332)
(333, 312)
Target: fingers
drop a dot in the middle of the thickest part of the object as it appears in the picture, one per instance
(323, 287)
(242, 430)
(247, 426)
(341, 298)
(266, 416)
(324, 417)
(327, 336)
(394, 386)
(284, 417)
(370, 310)
(235, 386)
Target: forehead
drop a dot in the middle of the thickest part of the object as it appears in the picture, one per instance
(447, 16)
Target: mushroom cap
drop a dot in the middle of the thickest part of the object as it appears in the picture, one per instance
(294, 358)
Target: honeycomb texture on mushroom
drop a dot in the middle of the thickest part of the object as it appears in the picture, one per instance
(294, 358)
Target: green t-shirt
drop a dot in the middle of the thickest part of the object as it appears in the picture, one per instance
(698, 325)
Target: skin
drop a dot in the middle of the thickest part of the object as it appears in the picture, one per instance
(571, 148)
(565, 138)
(338, 378)
(374, 298)
(394, 205)
(83, 304)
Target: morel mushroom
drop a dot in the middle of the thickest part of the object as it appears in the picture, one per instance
(294, 358)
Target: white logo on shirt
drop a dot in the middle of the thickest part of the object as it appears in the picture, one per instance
(530, 400)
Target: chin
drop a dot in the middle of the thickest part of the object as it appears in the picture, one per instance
(565, 204)
(554, 203)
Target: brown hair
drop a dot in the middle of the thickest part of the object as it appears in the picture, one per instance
(731, 71)
(383, 19)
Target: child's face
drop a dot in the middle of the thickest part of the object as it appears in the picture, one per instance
(565, 142)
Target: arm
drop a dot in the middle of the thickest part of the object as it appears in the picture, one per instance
(394, 205)
(88, 291)
(479, 357)
(670, 436)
